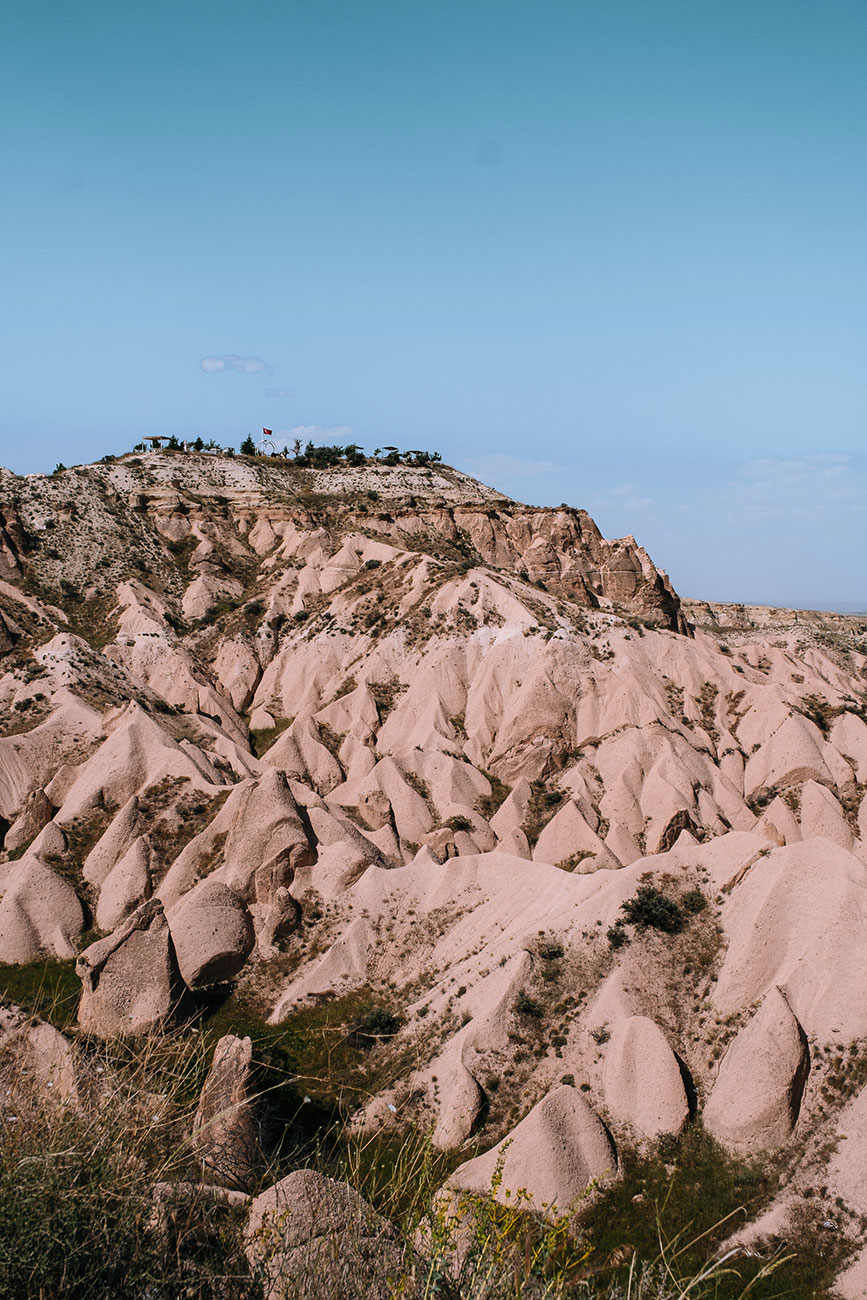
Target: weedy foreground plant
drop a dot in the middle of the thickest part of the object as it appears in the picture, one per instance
(80, 1220)
(78, 1216)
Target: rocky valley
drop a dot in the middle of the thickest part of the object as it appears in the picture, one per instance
(454, 815)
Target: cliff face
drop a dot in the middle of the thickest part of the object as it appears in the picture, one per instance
(221, 507)
(385, 733)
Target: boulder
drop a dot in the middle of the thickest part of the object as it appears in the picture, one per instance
(36, 813)
(280, 917)
(309, 1236)
(213, 934)
(129, 981)
(754, 1103)
(40, 913)
(642, 1081)
(553, 1156)
(225, 1132)
(461, 1102)
(39, 1052)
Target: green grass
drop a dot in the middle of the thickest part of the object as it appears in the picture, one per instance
(699, 1202)
(312, 1071)
(49, 989)
(261, 741)
(77, 1215)
(75, 1208)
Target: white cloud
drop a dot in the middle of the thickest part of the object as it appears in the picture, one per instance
(504, 467)
(279, 392)
(246, 365)
(625, 498)
(320, 434)
(797, 486)
(828, 464)
(628, 497)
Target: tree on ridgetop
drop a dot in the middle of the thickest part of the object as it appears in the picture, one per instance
(248, 446)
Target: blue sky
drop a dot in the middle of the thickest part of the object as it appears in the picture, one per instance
(609, 253)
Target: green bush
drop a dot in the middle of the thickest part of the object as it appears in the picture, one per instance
(459, 824)
(653, 910)
(617, 935)
(693, 901)
(550, 949)
(527, 1006)
(376, 1024)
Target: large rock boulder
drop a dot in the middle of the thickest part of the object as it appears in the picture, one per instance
(554, 1154)
(259, 821)
(37, 1053)
(642, 1082)
(753, 1106)
(225, 1132)
(213, 934)
(129, 979)
(40, 913)
(36, 813)
(309, 1236)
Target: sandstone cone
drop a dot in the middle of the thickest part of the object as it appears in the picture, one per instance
(128, 980)
(754, 1103)
(642, 1080)
(549, 1160)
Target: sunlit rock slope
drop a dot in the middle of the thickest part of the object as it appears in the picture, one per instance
(383, 729)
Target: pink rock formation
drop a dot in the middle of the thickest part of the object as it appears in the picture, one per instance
(308, 1235)
(41, 1052)
(40, 913)
(445, 695)
(36, 813)
(754, 1103)
(212, 933)
(225, 1131)
(642, 1082)
(128, 983)
(548, 1161)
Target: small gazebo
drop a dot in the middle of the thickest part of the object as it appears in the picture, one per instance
(157, 439)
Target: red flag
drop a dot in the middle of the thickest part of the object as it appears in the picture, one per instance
(267, 433)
